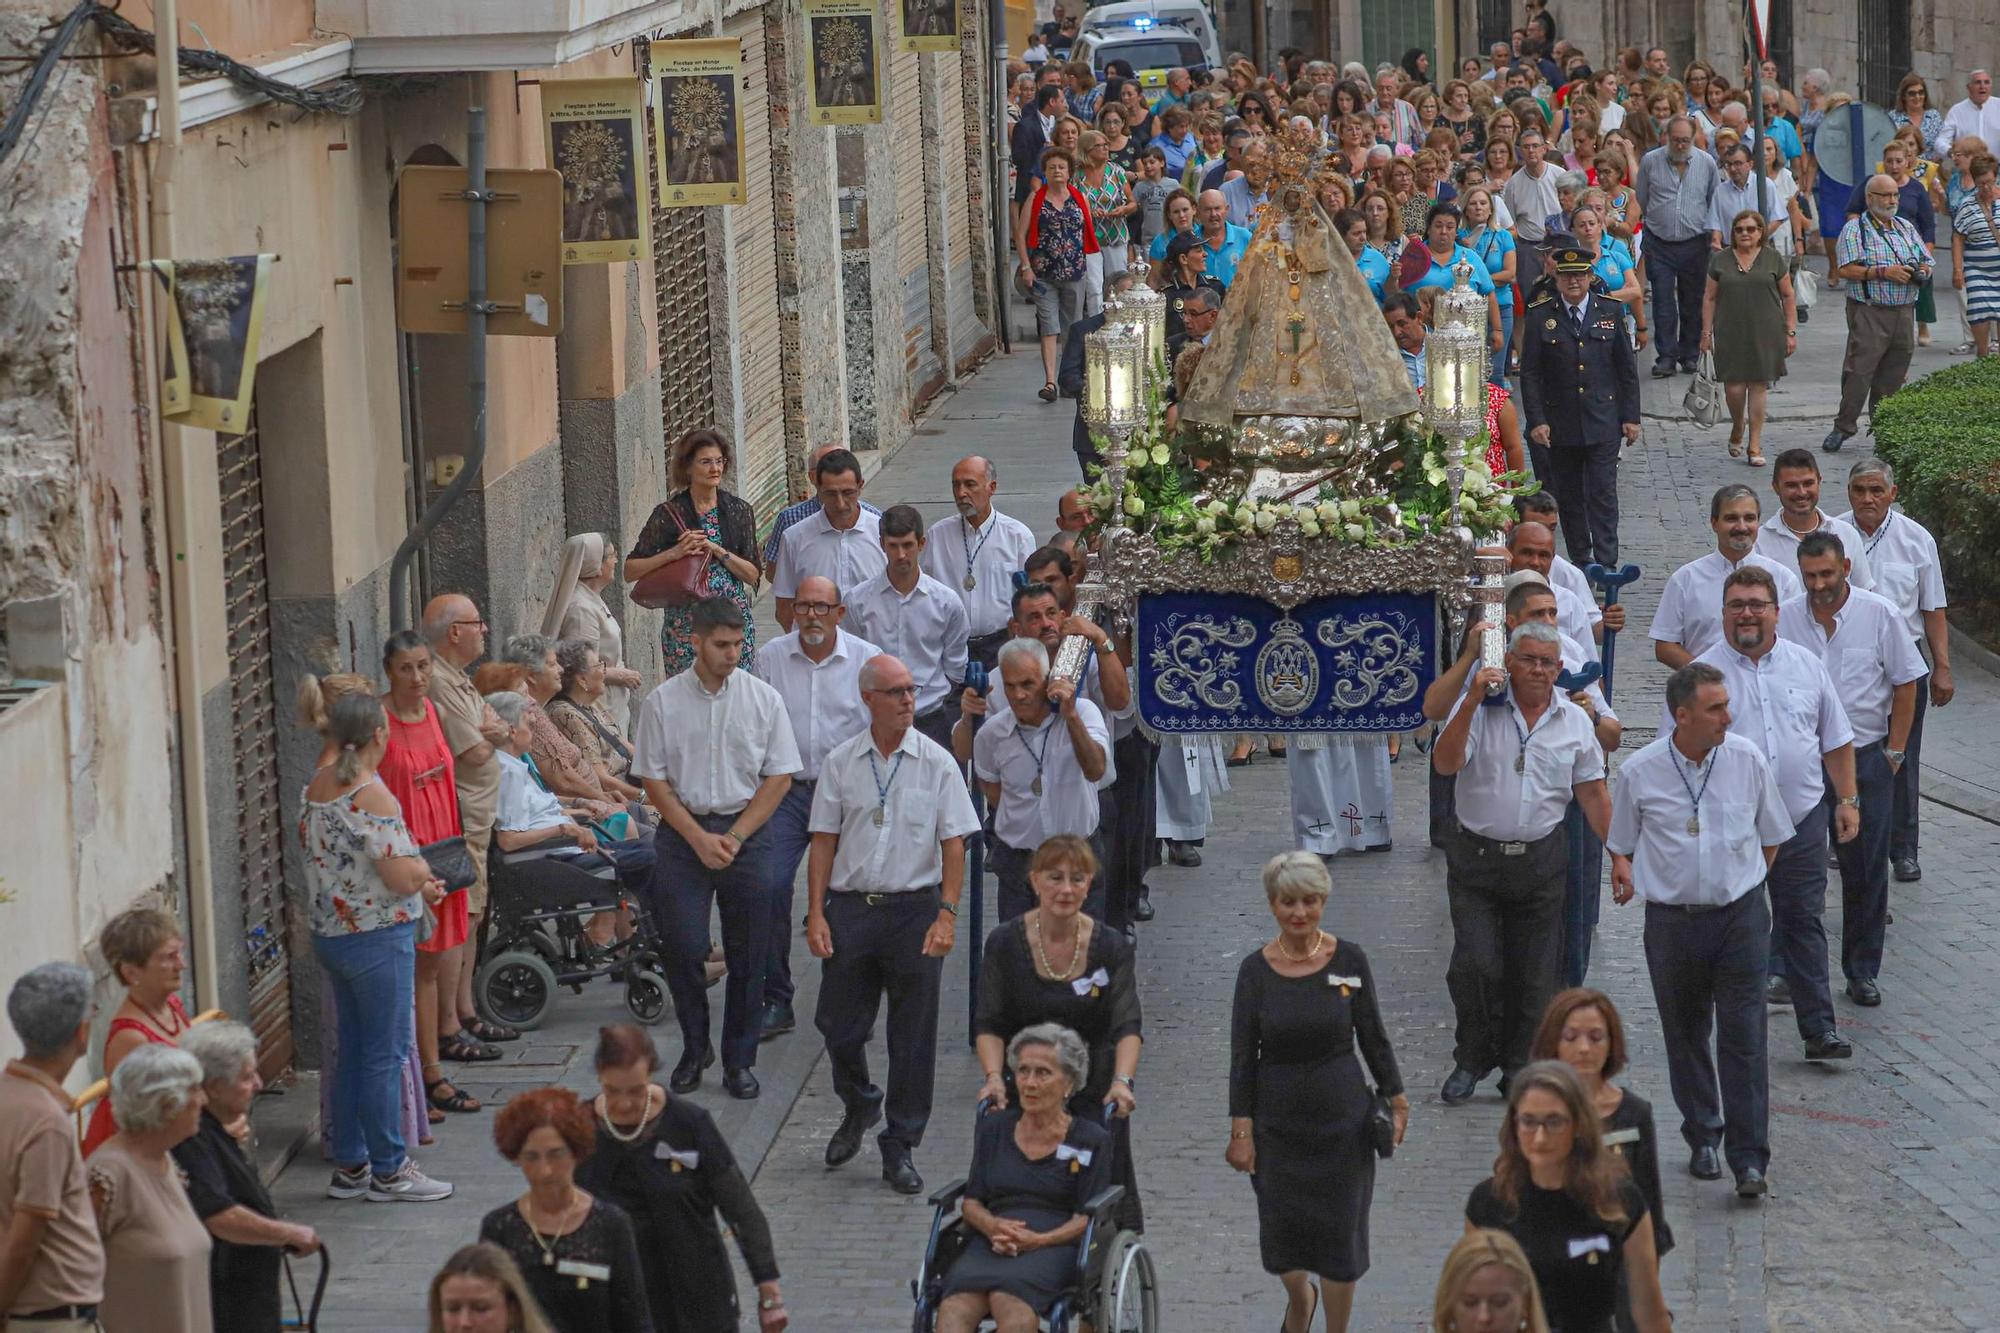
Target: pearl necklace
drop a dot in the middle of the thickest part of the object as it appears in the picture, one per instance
(1076, 958)
(645, 1119)
(1319, 942)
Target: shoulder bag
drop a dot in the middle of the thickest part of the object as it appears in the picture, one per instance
(1704, 400)
(1381, 1124)
(682, 581)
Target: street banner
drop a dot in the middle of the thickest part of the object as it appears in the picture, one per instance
(595, 136)
(928, 25)
(698, 114)
(846, 61)
(215, 324)
(173, 347)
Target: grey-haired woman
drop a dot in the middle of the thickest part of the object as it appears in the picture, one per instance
(155, 1248)
(1033, 1167)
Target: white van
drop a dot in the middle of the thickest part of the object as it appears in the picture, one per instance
(1169, 20)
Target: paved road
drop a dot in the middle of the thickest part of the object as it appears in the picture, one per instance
(1884, 1170)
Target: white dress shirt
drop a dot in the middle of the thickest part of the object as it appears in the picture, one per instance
(813, 546)
(1722, 858)
(1574, 658)
(1495, 799)
(1964, 118)
(987, 555)
(1868, 655)
(1006, 753)
(1563, 573)
(1784, 704)
(822, 699)
(1572, 617)
(715, 750)
(1777, 542)
(1903, 557)
(924, 630)
(525, 805)
(926, 803)
(1690, 610)
(1089, 686)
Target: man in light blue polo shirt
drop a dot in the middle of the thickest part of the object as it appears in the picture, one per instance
(1223, 239)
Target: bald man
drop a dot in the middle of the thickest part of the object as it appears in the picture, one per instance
(976, 553)
(1885, 261)
(1224, 240)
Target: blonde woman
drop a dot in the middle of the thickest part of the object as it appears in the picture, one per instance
(479, 1290)
(1487, 1287)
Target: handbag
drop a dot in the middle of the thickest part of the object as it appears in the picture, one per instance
(682, 581)
(1381, 1124)
(451, 861)
(1704, 400)
(1805, 287)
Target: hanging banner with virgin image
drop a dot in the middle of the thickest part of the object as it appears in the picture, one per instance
(595, 135)
(845, 59)
(215, 325)
(928, 25)
(698, 116)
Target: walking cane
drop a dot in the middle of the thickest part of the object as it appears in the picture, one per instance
(308, 1314)
(1611, 580)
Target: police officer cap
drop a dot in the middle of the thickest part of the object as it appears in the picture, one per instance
(1570, 259)
(1182, 243)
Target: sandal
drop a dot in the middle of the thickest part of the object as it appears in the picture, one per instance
(465, 1050)
(1047, 393)
(1756, 455)
(457, 1100)
(486, 1031)
(1736, 441)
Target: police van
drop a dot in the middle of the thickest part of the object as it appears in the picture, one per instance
(1154, 36)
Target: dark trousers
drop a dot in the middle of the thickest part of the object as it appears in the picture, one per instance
(1582, 879)
(937, 723)
(1584, 478)
(878, 949)
(1903, 825)
(789, 842)
(1798, 923)
(1864, 867)
(684, 890)
(1444, 806)
(985, 649)
(1881, 339)
(1127, 818)
(1506, 945)
(1708, 980)
(1010, 867)
(1678, 273)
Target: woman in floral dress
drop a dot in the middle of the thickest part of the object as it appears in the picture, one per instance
(701, 517)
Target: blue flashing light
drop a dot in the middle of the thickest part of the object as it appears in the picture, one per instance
(1142, 22)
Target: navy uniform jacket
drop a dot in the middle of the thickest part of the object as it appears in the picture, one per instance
(1582, 388)
(1069, 378)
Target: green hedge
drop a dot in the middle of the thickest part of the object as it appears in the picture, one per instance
(1942, 435)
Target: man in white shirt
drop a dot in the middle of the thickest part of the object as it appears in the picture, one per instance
(916, 619)
(716, 755)
(976, 551)
(1541, 507)
(1795, 478)
(839, 542)
(1039, 763)
(815, 669)
(1875, 667)
(1524, 760)
(1904, 557)
(1696, 820)
(1688, 620)
(1531, 546)
(890, 817)
(1783, 702)
(1977, 115)
(1531, 197)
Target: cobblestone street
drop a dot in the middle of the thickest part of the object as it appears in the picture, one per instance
(1883, 1212)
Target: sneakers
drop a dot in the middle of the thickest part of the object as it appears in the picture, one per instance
(348, 1182)
(406, 1185)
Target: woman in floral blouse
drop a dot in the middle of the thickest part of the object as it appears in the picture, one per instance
(368, 887)
(1055, 235)
(701, 518)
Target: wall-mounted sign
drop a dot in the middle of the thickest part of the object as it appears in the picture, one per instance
(596, 137)
(845, 56)
(698, 112)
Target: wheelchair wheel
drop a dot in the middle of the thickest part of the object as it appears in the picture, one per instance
(1128, 1290)
(515, 988)
(646, 995)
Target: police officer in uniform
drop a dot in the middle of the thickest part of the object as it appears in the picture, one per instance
(1580, 393)
(1187, 265)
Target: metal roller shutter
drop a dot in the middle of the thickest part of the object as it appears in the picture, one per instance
(963, 314)
(753, 272)
(911, 137)
(680, 295)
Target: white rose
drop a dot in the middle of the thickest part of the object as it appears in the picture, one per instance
(1160, 455)
(1355, 532)
(1468, 504)
(1205, 526)
(1134, 458)
(1350, 509)
(1328, 512)
(1217, 508)
(1135, 506)
(1266, 520)
(1309, 526)
(1244, 516)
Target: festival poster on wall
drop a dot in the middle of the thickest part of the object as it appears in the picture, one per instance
(594, 134)
(215, 326)
(846, 58)
(173, 348)
(928, 25)
(698, 107)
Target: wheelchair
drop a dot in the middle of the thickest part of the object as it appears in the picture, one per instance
(540, 904)
(1114, 1289)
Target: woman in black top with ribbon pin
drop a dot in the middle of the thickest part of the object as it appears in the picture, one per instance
(1055, 964)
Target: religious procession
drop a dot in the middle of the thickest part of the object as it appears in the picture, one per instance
(561, 571)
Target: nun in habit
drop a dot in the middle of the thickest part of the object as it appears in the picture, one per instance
(577, 610)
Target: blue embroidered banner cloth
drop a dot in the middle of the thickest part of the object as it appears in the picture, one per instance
(1222, 662)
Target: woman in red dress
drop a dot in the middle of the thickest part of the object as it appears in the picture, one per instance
(417, 769)
(144, 947)
(1503, 432)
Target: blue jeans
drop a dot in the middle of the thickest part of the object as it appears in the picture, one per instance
(373, 978)
(786, 830)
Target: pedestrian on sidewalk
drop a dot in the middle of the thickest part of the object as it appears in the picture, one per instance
(1698, 852)
(1676, 187)
(1975, 251)
(889, 820)
(701, 520)
(1908, 573)
(1886, 261)
(1749, 320)
(1784, 703)
(1875, 668)
(1053, 242)
(147, 956)
(156, 1250)
(1508, 853)
(1302, 1121)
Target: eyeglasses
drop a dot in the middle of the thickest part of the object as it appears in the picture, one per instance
(480, 623)
(1546, 666)
(896, 691)
(815, 608)
(1550, 1124)
(1737, 608)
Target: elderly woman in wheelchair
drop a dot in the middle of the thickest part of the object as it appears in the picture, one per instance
(1027, 1202)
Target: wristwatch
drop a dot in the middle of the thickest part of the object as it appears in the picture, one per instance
(948, 907)
(1851, 802)
(770, 1303)
(1893, 756)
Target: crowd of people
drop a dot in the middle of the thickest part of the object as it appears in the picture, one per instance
(911, 703)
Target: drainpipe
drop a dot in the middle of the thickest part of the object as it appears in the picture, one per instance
(177, 474)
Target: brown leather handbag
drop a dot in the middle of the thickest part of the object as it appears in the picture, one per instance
(679, 582)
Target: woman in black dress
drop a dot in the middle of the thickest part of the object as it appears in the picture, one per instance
(1298, 1101)
(577, 1253)
(664, 1162)
(1583, 1030)
(1054, 964)
(1571, 1205)
(1033, 1168)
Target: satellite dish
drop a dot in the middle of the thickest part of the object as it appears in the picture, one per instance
(1850, 142)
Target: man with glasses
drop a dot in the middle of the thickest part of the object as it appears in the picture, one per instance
(1676, 190)
(1783, 702)
(816, 670)
(1508, 854)
(1884, 261)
